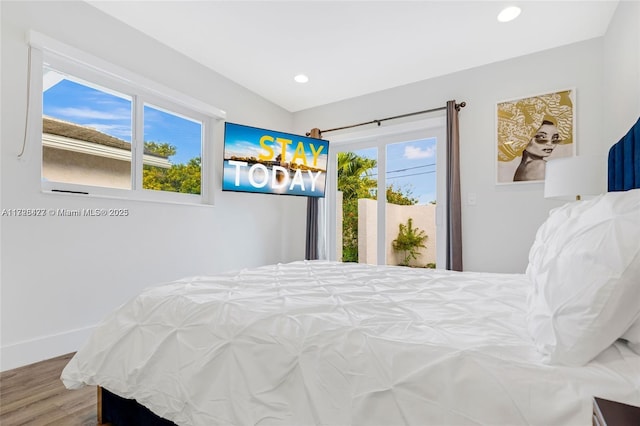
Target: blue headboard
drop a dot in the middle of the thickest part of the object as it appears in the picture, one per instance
(624, 161)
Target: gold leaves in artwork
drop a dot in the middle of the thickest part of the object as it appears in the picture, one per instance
(519, 120)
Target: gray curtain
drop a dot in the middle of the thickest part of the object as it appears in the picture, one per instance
(311, 242)
(454, 219)
(311, 245)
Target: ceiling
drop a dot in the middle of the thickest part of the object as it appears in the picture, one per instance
(351, 48)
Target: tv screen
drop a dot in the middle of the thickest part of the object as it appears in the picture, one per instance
(266, 161)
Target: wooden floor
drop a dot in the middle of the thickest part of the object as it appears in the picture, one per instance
(34, 395)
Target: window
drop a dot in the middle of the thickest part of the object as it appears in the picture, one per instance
(176, 140)
(109, 132)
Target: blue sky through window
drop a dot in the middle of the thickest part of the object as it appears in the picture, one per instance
(89, 107)
(185, 135)
(410, 166)
(111, 114)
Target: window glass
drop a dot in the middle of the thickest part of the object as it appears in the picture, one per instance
(172, 152)
(411, 203)
(357, 192)
(86, 133)
(400, 227)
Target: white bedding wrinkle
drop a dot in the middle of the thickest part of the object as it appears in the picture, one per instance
(330, 343)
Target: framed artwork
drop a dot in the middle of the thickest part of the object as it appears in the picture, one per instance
(531, 131)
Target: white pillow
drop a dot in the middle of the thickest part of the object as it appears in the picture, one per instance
(585, 269)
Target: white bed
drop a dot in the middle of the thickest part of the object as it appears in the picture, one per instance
(330, 343)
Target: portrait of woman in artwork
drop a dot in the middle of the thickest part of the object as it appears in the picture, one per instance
(535, 154)
(532, 131)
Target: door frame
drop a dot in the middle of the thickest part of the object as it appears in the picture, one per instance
(380, 137)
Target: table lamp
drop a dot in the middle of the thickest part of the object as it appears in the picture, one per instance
(572, 178)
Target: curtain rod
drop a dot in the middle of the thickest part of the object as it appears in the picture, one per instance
(458, 106)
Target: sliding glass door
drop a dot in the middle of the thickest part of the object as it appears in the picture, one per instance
(404, 164)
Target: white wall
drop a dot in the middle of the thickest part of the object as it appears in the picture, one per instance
(622, 71)
(499, 229)
(61, 275)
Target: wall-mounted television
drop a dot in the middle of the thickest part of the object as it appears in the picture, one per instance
(266, 161)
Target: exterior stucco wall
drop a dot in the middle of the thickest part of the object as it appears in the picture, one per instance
(75, 167)
(424, 218)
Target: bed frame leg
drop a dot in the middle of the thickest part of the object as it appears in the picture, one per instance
(99, 406)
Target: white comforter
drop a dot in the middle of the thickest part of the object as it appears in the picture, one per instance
(343, 344)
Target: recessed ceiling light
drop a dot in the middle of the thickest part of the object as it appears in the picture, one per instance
(301, 78)
(509, 14)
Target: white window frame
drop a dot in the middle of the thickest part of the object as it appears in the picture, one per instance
(379, 138)
(66, 59)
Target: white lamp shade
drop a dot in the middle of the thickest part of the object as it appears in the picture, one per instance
(572, 178)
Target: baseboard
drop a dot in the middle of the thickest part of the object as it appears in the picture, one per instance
(34, 350)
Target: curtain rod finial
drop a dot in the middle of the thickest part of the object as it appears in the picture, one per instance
(315, 133)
